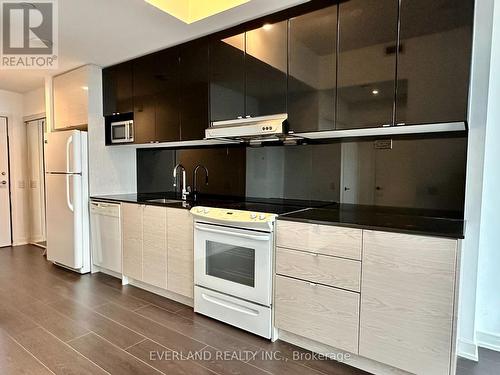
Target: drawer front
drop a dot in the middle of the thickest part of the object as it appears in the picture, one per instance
(322, 239)
(337, 272)
(320, 313)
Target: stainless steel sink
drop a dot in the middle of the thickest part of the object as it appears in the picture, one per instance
(164, 201)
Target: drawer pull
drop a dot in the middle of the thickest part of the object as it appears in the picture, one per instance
(313, 284)
(315, 255)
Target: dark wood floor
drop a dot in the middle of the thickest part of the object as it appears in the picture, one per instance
(55, 321)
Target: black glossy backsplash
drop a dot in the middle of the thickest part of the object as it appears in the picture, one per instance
(418, 173)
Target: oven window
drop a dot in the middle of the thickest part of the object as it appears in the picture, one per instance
(118, 132)
(232, 263)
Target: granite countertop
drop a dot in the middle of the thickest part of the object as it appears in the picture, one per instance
(402, 220)
(410, 221)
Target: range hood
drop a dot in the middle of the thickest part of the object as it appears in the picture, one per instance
(263, 128)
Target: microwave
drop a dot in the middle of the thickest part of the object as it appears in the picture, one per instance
(122, 131)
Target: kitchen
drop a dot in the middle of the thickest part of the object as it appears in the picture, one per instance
(304, 180)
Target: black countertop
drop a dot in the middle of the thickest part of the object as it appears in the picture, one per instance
(273, 206)
(402, 220)
(410, 221)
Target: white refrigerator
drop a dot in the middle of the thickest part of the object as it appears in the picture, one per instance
(66, 179)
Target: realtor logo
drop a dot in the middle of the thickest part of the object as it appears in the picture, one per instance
(29, 34)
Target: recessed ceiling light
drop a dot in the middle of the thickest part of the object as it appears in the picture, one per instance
(267, 26)
(375, 92)
(190, 11)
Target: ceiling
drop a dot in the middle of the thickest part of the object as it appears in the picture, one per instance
(107, 32)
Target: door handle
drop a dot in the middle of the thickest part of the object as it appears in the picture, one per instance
(3, 182)
(226, 232)
(68, 198)
(230, 305)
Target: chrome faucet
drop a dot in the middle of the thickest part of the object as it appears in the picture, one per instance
(195, 175)
(185, 189)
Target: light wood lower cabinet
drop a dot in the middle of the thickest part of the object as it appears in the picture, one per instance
(132, 240)
(332, 271)
(180, 252)
(158, 247)
(321, 239)
(407, 301)
(324, 314)
(154, 266)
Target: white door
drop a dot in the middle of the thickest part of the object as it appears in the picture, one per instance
(63, 152)
(5, 221)
(64, 219)
(35, 131)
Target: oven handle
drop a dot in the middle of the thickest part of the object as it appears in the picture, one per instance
(237, 234)
(230, 305)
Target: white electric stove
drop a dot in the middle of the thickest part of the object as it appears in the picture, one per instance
(233, 252)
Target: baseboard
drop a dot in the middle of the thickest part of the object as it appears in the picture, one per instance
(20, 243)
(339, 355)
(488, 340)
(468, 350)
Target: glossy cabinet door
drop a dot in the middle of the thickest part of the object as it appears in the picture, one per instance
(227, 78)
(118, 92)
(194, 101)
(167, 80)
(312, 79)
(266, 70)
(132, 239)
(367, 63)
(71, 99)
(156, 97)
(145, 99)
(434, 61)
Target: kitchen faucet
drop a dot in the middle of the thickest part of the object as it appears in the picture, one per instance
(195, 175)
(185, 190)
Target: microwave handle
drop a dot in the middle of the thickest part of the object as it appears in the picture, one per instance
(242, 235)
(127, 131)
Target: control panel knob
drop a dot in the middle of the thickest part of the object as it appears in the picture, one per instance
(199, 210)
(206, 210)
(253, 215)
(262, 216)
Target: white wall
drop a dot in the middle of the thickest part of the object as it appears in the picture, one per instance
(478, 104)
(488, 287)
(34, 102)
(112, 170)
(11, 106)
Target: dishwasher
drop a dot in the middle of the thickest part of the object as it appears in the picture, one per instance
(106, 236)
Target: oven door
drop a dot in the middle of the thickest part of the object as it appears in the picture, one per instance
(234, 261)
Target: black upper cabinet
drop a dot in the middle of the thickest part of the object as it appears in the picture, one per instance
(118, 89)
(367, 58)
(227, 78)
(248, 73)
(156, 97)
(312, 71)
(167, 78)
(266, 70)
(434, 61)
(144, 99)
(194, 102)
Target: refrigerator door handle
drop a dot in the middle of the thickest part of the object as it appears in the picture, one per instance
(68, 155)
(68, 197)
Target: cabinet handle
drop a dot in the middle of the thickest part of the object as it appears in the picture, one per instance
(315, 255)
(313, 284)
